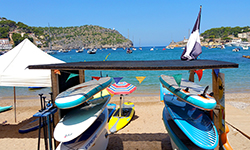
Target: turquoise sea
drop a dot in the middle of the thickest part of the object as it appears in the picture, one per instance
(236, 79)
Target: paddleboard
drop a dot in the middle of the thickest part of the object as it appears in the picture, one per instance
(163, 91)
(189, 92)
(111, 108)
(5, 108)
(116, 123)
(78, 120)
(80, 93)
(188, 126)
(31, 126)
(95, 137)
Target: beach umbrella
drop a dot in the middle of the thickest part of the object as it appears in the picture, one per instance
(121, 88)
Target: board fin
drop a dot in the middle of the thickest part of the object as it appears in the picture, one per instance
(204, 92)
(186, 89)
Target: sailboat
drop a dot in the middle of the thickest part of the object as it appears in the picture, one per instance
(140, 45)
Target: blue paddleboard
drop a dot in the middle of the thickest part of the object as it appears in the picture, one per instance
(188, 126)
(31, 126)
(189, 92)
(80, 93)
(163, 91)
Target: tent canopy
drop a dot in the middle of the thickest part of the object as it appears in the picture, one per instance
(13, 66)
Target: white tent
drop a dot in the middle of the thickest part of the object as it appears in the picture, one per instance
(13, 66)
(14, 71)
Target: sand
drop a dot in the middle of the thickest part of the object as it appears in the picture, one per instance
(145, 131)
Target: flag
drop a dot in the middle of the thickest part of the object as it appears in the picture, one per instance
(177, 78)
(117, 79)
(216, 71)
(193, 47)
(199, 73)
(140, 79)
(57, 72)
(71, 76)
(97, 78)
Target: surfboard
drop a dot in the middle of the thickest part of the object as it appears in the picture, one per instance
(78, 120)
(95, 137)
(31, 126)
(188, 126)
(116, 123)
(5, 108)
(163, 91)
(111, 109)
(80, 93)
(189, 92)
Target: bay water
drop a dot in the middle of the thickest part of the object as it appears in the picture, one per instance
(237, 80)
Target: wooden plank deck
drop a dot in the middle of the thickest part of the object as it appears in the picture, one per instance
(139, 65)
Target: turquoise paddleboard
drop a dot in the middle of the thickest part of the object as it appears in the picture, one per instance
(80, 93)
(188, 127)
(189, 92)
(5, 108)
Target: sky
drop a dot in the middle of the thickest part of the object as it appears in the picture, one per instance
(145, 22)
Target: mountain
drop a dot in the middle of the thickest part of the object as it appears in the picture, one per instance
(87, 36)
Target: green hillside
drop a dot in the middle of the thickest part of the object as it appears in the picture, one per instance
(63, 37)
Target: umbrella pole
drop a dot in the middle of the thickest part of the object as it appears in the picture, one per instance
(120, 111)
(14, 88)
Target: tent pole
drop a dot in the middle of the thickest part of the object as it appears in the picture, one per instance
(120, 111)
(14, 88)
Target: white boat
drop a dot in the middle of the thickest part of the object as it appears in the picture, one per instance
(114, 48)
(129, 51)
(50, 52)
(92, 51)
(151, 49)
(244, 47)
(80, 50)
(236, 50)
(134, 49)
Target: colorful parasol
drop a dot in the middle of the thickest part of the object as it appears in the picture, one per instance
(121, 88)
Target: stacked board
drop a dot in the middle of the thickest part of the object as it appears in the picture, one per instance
(81, 93)
(93, 138)
(78, 120)
(188, 126)
(189, 92)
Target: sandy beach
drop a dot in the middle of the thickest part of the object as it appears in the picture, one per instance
(145, 131)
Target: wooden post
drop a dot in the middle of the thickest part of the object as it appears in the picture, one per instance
(219, 95)
(55, 91)
(81, 76)
(191, 75)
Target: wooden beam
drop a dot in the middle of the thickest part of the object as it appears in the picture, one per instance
(55, 91)
(81, 76)
(219, 95)
(191, 75)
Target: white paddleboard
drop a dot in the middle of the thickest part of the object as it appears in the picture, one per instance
(80, 93)
(192, 95)
(95, 137)
(78, 120)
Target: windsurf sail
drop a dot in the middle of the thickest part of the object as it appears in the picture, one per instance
(193, 47)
